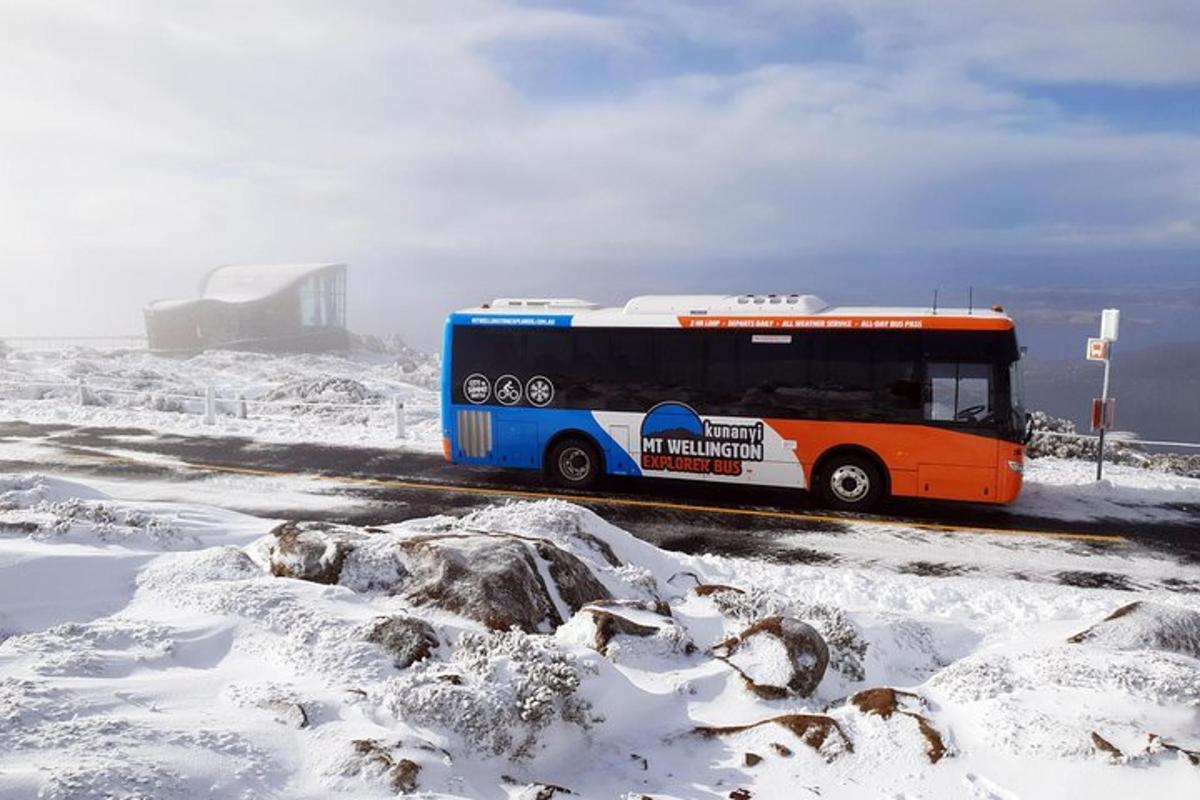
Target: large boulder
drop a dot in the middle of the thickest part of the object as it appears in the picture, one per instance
(1146, 626)
(500, 581)
(777, 656)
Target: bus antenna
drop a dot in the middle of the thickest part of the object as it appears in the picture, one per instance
(935, 301)
(970, 300)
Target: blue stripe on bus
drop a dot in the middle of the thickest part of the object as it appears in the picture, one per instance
(447, 346)
(520, 436)
(514, 320)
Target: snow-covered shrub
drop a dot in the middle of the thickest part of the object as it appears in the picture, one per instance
(323, 390)
(1043, 443)
(42, 508)
(498, 691)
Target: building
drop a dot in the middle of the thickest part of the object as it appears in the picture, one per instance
(264, 307)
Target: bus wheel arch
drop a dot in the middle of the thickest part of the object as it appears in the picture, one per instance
(573, 459)
(865, 480)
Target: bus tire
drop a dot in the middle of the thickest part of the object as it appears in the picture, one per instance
(850, 482)
(574, 463)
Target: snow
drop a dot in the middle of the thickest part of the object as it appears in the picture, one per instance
(1067, 489)
(139, 665)
(285, 394)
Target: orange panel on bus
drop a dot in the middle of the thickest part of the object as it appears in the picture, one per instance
(955, 465)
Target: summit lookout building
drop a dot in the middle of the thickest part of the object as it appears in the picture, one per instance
(260, 307)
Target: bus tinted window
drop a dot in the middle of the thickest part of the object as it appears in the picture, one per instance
(774, 375)
(886, 376)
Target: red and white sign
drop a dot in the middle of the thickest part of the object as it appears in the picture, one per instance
(1097, 349)
(1104, 414)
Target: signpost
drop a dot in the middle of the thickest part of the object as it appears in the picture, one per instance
(1100, 349)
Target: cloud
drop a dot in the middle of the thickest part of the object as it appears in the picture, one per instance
(143, 143)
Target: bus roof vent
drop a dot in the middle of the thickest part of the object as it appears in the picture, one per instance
(734, 304)
(539, 303)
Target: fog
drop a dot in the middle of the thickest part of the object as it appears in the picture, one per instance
(450, 153)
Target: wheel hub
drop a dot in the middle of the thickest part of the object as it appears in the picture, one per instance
(574, 463)
(850, 483)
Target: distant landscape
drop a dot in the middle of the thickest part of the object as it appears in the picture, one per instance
(1157, 390)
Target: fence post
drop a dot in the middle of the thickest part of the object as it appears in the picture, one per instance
(398, 406)
(210, 405)
(241, 405)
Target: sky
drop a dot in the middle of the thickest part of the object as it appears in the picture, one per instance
(1044, 152)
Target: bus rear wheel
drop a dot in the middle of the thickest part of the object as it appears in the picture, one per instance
(851, 483)
(574, 464)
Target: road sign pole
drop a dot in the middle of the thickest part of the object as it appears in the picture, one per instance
(1103, 414)
(1100, 349)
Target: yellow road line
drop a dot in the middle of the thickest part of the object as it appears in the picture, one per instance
(621, 501)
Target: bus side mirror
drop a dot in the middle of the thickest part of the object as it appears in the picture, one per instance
(1028, 428)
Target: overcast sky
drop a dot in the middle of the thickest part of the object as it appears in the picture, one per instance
(454, 151)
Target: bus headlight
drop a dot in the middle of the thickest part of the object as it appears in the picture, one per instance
(1017, 466)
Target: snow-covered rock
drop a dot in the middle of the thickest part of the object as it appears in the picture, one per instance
(627, 630)
(1146, 626)
(777, 656)
(406, 639)
(842, 637)
(501, 581)
(310, 551)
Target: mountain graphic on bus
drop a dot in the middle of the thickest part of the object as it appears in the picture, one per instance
(673, 421)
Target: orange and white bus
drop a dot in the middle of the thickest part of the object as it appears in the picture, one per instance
(855, 404)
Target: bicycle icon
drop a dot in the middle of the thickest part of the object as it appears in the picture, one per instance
(508, 390)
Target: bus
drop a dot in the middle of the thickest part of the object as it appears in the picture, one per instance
(851, 404)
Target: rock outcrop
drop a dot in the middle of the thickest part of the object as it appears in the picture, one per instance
(500, 581)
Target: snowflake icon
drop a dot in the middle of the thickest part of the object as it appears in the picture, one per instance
(539, 391)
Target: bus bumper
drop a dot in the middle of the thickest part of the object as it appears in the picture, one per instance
(1010, 472)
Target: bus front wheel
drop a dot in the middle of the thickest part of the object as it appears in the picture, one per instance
(851, 483)
(574, 464)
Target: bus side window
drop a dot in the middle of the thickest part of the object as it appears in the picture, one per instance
(589, 374)
(846, 377)
(631, 364)
(721, 369)
(959, 393)
(774, 376)
(679, 365)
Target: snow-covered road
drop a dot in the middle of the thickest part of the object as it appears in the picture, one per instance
(1141, 536)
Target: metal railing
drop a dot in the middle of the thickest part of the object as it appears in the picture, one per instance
(1118, 437)
(128, 342)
